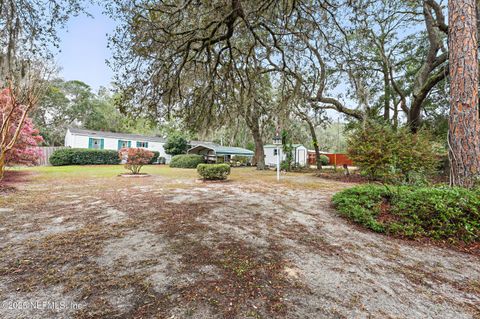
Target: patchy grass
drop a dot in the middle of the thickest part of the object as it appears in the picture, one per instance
(10, 178)
(99, 171)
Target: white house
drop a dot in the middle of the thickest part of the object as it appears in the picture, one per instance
(300, 154)
(79, 138)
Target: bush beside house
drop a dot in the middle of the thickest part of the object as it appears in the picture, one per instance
(213, 171)
(155, 158)
(186, 161)
(77, 156)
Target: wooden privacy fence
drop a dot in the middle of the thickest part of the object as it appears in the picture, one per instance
(47, 151)
(338, 159)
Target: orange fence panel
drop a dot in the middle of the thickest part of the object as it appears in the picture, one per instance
(338, 159)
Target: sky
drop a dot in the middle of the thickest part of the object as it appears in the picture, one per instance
(83, 45)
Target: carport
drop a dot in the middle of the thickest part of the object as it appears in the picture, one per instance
(212, 152)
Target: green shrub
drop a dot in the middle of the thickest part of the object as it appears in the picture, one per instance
(213, 171)
(284, 166)
(362, 205)
(80, 156)
(186, 161)
(394, 156)
(154, 159)
(61, 157)
(324, 160)
(440, 213)
(176, 145)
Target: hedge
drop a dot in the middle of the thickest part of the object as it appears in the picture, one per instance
(186, 161)
(440, 213)
(213, 171)
(79, 156)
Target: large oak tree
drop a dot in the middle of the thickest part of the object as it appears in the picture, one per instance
(347, 56)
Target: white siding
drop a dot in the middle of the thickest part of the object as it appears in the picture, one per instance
(81, 141)
(270, 158)
(78, 141)
(68, 137)
(109, 143)
(155, 146)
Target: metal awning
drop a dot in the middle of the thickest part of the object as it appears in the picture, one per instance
(218, 150)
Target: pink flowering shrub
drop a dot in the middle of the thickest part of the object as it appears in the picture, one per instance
(21, 149)
(135, 158)
(25, 151)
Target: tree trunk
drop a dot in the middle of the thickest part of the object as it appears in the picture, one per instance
(464, 122)
(395, 116)
(315, 143)
(414, 115)
(3, 156)
(259, 157)
(386, 84)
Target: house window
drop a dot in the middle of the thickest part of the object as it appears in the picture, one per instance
(95, 143)
(124, 144)
(142, 144)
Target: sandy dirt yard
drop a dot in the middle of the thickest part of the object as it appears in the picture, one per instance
(91, 244)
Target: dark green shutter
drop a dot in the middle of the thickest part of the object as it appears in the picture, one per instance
(102, 144)
(146, 144)
(90, 142)
(119, 144)
(138, 144)
(129, 144)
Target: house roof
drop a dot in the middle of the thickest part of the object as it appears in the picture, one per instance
(223, 150)
(275, 146)
(120, 136)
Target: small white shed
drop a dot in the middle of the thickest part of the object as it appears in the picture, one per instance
(80, 138)
(300, 154)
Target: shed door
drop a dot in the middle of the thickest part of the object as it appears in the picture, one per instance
(302, 156)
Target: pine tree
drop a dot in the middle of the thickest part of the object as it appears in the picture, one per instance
(464, 122)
